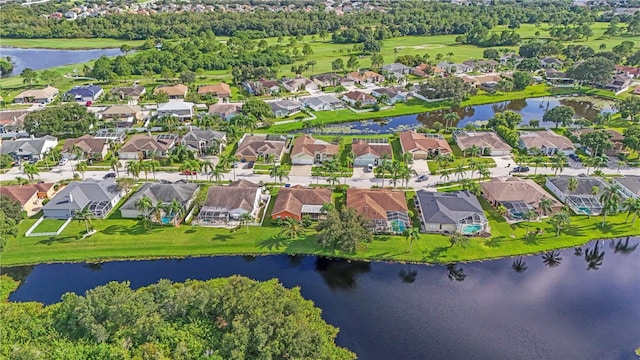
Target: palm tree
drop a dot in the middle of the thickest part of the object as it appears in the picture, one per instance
(350, 158)
(572, 184)
(519, 265)
(552, 259)
(560, 220)
(207, 167)
(114, 163)
(445, 175)
(458, 239)
(545, 206)
(292, 228)
(558, 163)
(537, 161)
(528, 216)
(412, 234)
(31, 170)
(383, 167)
(245, 219)
(450, 119)
(459, 170)
(133, 169)
(145, 205)
(82, 168)
(216, 173)
(86, 216)
(484, 172)
(610, 198)
(144, 167)
(632, 206)
(175, 210)
(76, 151)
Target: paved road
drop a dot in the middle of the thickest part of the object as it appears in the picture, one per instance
(360, 179)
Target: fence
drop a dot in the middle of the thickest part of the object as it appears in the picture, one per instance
(30, 232)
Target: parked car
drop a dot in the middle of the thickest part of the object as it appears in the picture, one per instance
(33, 161)
(422, 178)
(110, 175)
(250, 165)
(88, 103)
(575, 157)
(63, 161)
(520, 169)
(188, 172)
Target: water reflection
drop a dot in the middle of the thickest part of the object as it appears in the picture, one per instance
(594, 258)
(408, 274)
(455, 273)
(552, 259)
(519, 265)
(623, 247)
(340, 274)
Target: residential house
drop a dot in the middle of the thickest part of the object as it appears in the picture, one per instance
(221, 91)
(629, 184)
(620, 82)
(489, 142)
(282, 108)
(332, 79)
(546, 141)
(113, 135)
(365, 77)
(308, 151)
(426, 70)
(584, 198)
(225, 111)
(30, 196)
(458, 211)
(298, 84)
(226, 204)
(129, 92)
(616, 138)
(174, 92)
(482, 65)
(142, 146)
(262, 87)
(488, 82)
(123, 115)
(84, 93)
(370, 151)
(386, 210)
(630, 71)
(28, 148)
(92, 148)
(323, 103)
(454, 68)
(254, 147)
(393, 94)
(160, 194)
(99, 196)
(398, 70)
(36, 96)
(551, 62)
(558, 78)
(509, 59)
(183, 110)
(298, 201)
(422, 146)
(12, 120)
(358, 97)
(518, 196)
(205, 141)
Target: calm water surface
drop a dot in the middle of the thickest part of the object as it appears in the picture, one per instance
(531, 109)
(39, 59)
(553, 309)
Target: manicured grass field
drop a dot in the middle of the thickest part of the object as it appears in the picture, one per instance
(433, 166)
(49, 225)
(127, 239)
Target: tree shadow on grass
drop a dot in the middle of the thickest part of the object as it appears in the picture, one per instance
(221, 237)
(435, 253)
(573, 231)
(57, 239)
(531, 239)
(273, 242)
(495, 242)
(136, 229)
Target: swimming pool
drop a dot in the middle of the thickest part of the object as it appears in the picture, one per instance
(471, 229)
(585, 210)
(166, 219)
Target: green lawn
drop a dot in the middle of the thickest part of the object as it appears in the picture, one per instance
(433, 167)
(49, 225)
(126, 239)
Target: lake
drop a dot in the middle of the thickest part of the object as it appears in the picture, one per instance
(531, 109)
(550, 308)
(38, 59)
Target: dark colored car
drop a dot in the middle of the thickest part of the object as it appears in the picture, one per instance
(422, 178)
(520, 169)
(574, 157)
(250, 165)
(33, 161)
(110, 175)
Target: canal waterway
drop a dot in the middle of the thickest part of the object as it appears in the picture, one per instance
(572, 304)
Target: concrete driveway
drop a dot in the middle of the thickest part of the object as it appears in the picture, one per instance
(300, 170)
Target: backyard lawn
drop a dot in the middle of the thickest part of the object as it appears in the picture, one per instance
(49, 225)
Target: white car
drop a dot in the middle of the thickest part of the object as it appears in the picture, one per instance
(63, 161)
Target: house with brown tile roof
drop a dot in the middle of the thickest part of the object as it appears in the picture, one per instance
(365, 77)
(177, 91)
(423, 146)
(426, 70)
(298, 201)
(486, 82)
(36, 96)
(488, 142)
(386, 210)
(222, 90)
(29, 196)
(547, 141)
(370, 151)
(226, 204)
(92, 148)
(517, 195)
(123, 115)
(308, 151)
(142, 146)
(225, 111)
(129, 92)
(12, 120)
(355, 97)
(616, 138)
(253, 147)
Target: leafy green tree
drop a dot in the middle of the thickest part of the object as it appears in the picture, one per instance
(11, 208)
(560, 220)
(337, 65)
(28, 76)
(629, 107)
(292, 228)
(596, 70)
(559, 115)
(86, 216)
(145, 205)
(610, 199)
(258, 109)
(8, 229)
(31, 170)
(521, 80)
(457, 239)
(343, 230)
(597, 141)
(188, 77)
(632, 137)
(64, 120)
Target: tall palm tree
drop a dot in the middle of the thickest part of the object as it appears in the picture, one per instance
(610, 198)
(484, 172)
(573, 184)
(445, 175)
(175, 210)
(31, 170)
(144, 167)
(450, 119)
(560, 220)
(459, 170)
(133, 169)
(85, 215)
(528, 216)
(245, 219)
(145, 205)
(207, 167)
(545, 206)
(114, 163)
(632, 206)
(558, 163)
(292, 228)
(153, 165)
(76, 151)
(412, 234)
(82, 168)
(537, 161)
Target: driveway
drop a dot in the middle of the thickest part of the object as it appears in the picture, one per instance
(420, 167)
(300, 170)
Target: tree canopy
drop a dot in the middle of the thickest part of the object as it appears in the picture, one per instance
(67, 120)
(559, 115)
(343, 230)
(228, 318)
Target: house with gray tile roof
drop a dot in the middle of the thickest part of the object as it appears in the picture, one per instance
(630, 185)
(458, 211)
(202, 140)
(583, 199)
(160, 194)
(28, 148)
(229, 203)
(99, 196)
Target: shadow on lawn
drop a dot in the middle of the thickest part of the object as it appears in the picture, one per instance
(495, 242)
(136, 229)
(434, 254)
(273, 242)
(57, 239)
(221, 237)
